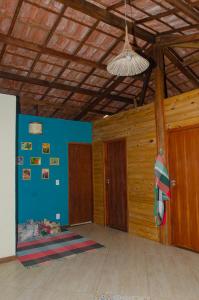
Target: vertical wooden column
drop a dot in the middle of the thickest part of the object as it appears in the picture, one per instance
(159, 115)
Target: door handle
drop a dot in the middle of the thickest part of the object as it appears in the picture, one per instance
(173, 182)
(108, 181)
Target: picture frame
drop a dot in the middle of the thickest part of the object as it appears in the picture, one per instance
(19, 160)
(45, 174)
(35, 161)
(26, 174)
(54, 161)
(27, 146)
(35, 128)
(45, 148)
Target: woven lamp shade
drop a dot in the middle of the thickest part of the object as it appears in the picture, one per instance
(128, 62)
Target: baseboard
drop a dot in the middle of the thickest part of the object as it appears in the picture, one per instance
(7, 259)
(83, 223)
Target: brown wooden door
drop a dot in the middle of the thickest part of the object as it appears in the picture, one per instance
(80, 183)
(184, 169)
(116, 186)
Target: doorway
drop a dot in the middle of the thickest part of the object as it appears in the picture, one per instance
(80, 183)
(116, 184)
(184, 173)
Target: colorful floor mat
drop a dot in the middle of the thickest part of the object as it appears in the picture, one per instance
(41, 250)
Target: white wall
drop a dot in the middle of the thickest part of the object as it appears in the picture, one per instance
(7, 174)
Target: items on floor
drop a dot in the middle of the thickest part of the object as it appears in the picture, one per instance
(32, 229)
(40, 250)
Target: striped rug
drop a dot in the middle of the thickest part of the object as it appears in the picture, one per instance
(38, 251)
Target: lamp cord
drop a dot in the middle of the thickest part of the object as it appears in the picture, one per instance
(125, 5)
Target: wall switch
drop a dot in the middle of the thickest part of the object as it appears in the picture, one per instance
(57, 182)
(58, 216)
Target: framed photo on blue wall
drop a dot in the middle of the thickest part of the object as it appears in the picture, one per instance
(19, 160)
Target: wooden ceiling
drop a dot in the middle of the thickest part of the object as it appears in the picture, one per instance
(54, 53)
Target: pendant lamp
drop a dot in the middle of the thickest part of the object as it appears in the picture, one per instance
(128, 62)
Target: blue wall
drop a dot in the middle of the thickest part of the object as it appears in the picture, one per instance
(37, 198)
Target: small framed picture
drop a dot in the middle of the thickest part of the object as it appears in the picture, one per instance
(26, 174)
(46, 148)
(35, 128)
(35, 161)
(45, 174)
(54, 161)
(19, 160)
(26, 146)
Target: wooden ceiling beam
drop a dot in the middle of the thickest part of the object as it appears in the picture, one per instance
(185, 8)
(191, 60)
(107, 17)
(193, 45)
(92, 104)
(179, 64)
(144, 87)
(170, 40)
(60, 86)
(102, 112)
(45, 50)
(158, 16)
(116, 5)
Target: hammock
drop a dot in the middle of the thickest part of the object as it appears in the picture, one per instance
(162, 190)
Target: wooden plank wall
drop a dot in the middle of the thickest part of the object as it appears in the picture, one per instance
(138, 126)
(182, 110)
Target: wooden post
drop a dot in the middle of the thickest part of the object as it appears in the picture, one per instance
(159, 116)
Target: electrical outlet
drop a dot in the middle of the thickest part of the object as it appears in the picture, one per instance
(57, 182)
(58, 216)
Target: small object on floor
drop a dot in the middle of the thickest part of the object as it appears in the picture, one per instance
(32, 229)
(52, 247)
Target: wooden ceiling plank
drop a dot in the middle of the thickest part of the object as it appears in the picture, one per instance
(92, 104)
(101, 60)
(107, 17)
(158, 16)
(67, 64)
(116, 5)
(180, 30)
(17, 10)
(56, 23)
(185, 8)
(172, 57)
(45, 50)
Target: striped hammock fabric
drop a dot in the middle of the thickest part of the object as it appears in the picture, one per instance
(162, 190)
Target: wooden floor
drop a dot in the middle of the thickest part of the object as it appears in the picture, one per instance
(128, 266)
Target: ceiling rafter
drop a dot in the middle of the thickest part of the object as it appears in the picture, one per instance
(170, 40)
(107, 17)
(170, 53)
(17, 10)
(92, 104)
(57, 21)
(67, 64)
(185, 8)
(45, 50)
(58, 86)
(147, 76)
(101, 60)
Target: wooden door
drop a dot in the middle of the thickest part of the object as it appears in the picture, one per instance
(116, 185)
(80, 183)
(184, 172)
